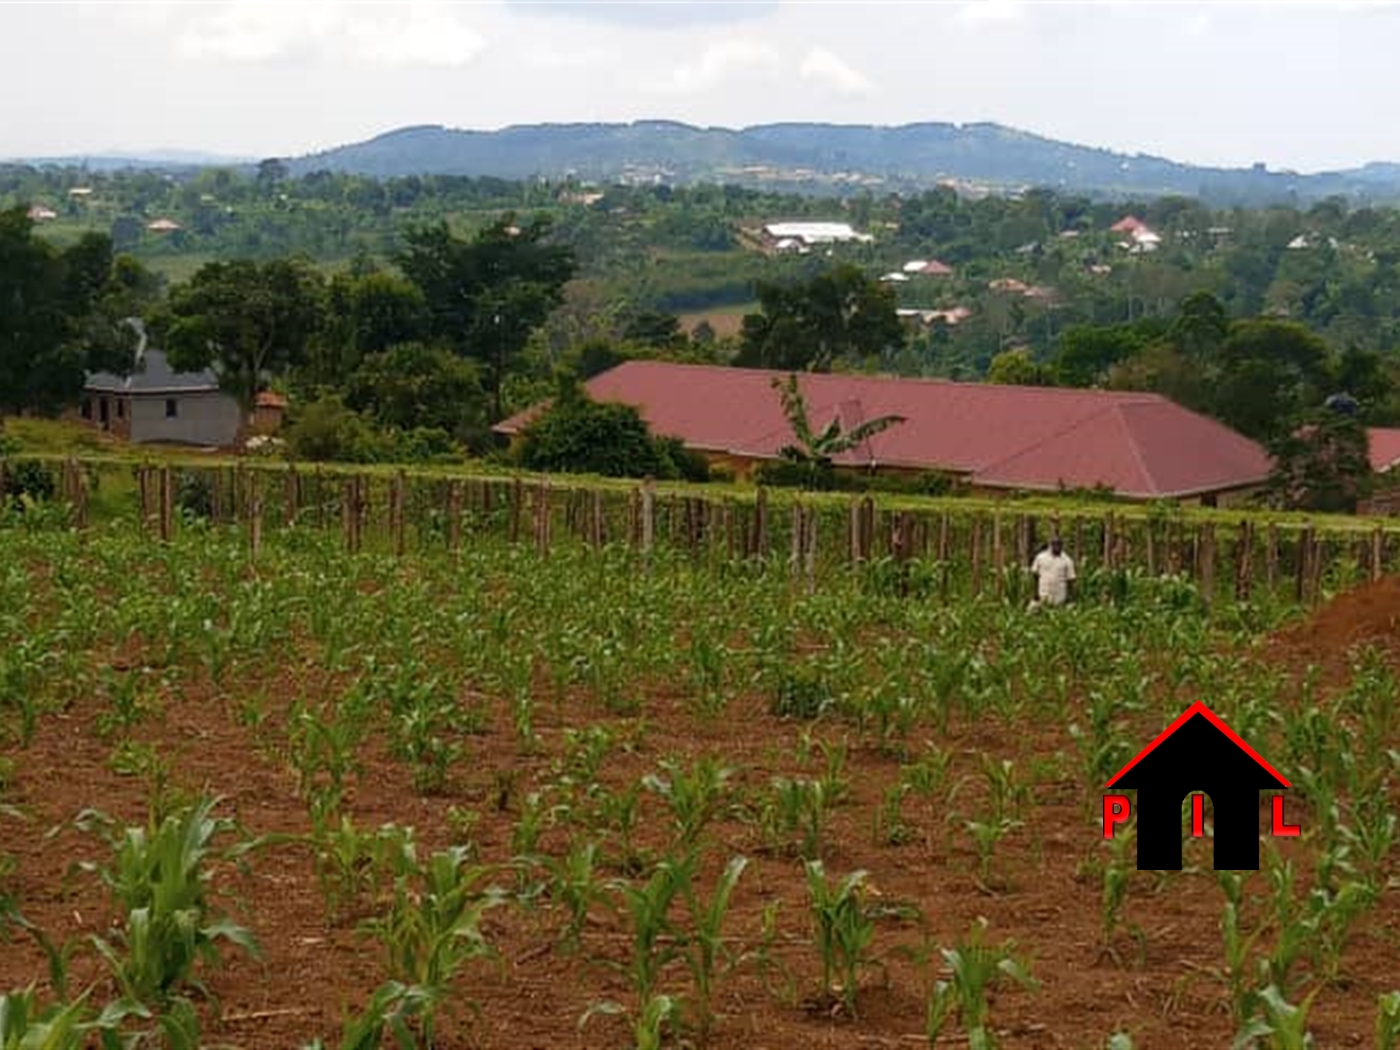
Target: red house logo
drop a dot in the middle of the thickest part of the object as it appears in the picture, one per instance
(1196, 753)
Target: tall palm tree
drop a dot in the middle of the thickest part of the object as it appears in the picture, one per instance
(813, 452)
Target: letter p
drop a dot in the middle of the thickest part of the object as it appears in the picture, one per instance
(1116, 810)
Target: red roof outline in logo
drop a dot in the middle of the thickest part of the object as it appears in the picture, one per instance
(1200, 708)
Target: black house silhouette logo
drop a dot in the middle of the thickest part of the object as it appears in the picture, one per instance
(1196, 753)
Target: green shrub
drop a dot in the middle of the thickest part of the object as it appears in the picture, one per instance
(194, 494)
(29, 477)
(579, 435)
(325, 429)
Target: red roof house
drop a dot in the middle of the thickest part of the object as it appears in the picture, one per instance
(1384, 447)
(1128, 224)
(998, 437)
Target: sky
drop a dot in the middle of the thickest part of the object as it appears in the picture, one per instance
(1305, 85)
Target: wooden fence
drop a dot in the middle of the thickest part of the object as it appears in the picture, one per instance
(950, 548)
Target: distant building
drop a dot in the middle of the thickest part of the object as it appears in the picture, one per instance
(994, 438)
(40, 213)
(163, 226)
(951, 317)
(810, 234)
(157, 404)
(928, 268)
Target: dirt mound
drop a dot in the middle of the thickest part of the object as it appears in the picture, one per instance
(1369, 615)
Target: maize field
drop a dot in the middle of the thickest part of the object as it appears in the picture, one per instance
(600, 796)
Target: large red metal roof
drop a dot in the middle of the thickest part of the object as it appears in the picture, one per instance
(1137, 444)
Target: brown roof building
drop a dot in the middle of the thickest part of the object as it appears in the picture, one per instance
(1141, 446)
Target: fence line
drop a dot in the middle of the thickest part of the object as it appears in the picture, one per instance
(977, 551)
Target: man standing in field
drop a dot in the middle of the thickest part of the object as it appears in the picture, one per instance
(1053, 570)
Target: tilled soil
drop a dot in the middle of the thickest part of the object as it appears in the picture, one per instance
(1163, 986)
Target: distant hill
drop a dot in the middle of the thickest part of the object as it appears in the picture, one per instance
(835, 158)
(139, 160)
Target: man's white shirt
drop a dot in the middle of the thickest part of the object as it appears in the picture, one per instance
(1053, 573)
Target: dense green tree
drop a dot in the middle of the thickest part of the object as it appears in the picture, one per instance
(1018, 368)
(576, 434)
(418, 385)
(59, 315)
(249, 320)
(654, 328)
(486, 295)
(809, 325)
(1087, 352)
(1269, 372)
(1201, 326)
(1321, 464)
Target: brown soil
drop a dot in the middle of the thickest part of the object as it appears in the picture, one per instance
(1330, 638)
(315, 969)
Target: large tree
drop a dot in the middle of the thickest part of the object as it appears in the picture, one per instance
(808, 325)
(1269, 372)
(61, 314)
(486, 295)
(248, 320)
(416, 385)
(1322, 465)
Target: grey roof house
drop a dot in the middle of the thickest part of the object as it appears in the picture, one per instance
(157, 404)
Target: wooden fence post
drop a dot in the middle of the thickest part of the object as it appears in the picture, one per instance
(1244, 561)
(1318, 562)
(291, 496)
(809, 549)
(454, 515)
(760, 523)
(255, 518)
(975, 549)
(397, 528)
(1305, 553)
(1206, 569)
(542, 517)
(798, 532)
(167, 504)
(853, 528)
(517, 505)
(1377, 554)
(998, 556)
(648, 516)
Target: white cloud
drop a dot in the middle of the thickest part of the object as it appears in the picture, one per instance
(412, 34)
(826, 68)
(430, 35)
(724, 60)
(549, 56)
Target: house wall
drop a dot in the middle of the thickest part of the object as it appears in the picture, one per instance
(89, 411)
(266, 420)
(201, 419)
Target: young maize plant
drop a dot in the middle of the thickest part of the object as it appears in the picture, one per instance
(706, 953)
(844, 931)
(695, 796)
(433, 927)
(1283, 1026)
(656, 940)
(1388, 1021)
(388, 1018)
(159, 877)
(974, 970)
(25, 1024)
(574, 883)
